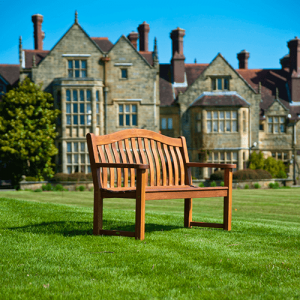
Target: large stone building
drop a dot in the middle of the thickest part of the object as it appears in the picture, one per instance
(102, 87)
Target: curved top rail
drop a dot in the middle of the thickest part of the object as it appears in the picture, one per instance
(135, 133)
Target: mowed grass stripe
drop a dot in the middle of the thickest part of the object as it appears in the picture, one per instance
(47, 250)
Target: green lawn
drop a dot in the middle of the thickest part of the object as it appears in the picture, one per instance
(48, 250)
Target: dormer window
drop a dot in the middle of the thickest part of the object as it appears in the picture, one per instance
(77, 68)
(276, 124)
(220, 83)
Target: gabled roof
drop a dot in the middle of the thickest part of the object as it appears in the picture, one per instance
(129, 43)
(10, 73)
(148, 55)
(220, 99)
(103, 42)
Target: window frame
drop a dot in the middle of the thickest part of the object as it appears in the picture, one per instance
(216, 122)
(217, 80)
(80, 69)
(272, 125)
(125, 113)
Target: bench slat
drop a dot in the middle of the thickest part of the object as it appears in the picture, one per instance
(104, 170)
(143, 156)
(169, 164)
(117, 160)
(111, 170)
(163, 164)
(157, 167)
(175, 164)
(124, 160)
(150, 160)
(130, 158)
(182, 172)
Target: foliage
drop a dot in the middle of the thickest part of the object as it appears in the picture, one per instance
(218, 175)
(271, 185)
(201, 184)
(31, 178)
(246, 187)
(73, 177)
(275, 167)
(263, 174)
(27, 132)
(213, 184)
(47, 187)
(222, 183)
(38, 190)
(80, 188)
(246, 174)
(257, 186)
(58, 188)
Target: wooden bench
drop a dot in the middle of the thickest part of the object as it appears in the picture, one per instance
(145, 165)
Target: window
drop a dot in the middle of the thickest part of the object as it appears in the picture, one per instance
(170, 123)
(244, 122)
(276, 124)
(198, 121)
(223, 157)
(127, 115)
(77, 158)
(221, 121)
(78, 113)
(219, 83)
(261, 126)
(124, 73)
(77, 68)
(164, 123)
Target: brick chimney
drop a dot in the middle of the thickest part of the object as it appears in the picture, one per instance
(133, 37)
(38, 33)
(243, 59)
(143, 30)
(294, 46)
(178, 58)
(285, 62)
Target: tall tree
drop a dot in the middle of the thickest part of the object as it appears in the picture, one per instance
(27, 132)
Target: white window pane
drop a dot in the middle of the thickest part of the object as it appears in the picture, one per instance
(76, 158)
(163, 123)
(216, 156)
(120, 108)
(228, 156)
(276, 120)
(215, 126)
(69, 158)
(209, 115)
(69, 170)
(68, 108)
(210, 156)
(221, 114)
(276, 127)
(222, 156)
(234, 155)
(234, 126)
(221, 126)
(208, 126)
(127, 108)
(88, 108)
(170, 123)
(234, 115)
(227, 114)
(282, 120)
(82, 147)
(97, 108)
(68, 120)
(82, 158)
(134, 108)
(282, 128)
(270, 120)
(89, 120)
(228, 126)
(215, 115)
(270, 128)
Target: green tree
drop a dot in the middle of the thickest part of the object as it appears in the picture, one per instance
(256, 161)
(27, 132)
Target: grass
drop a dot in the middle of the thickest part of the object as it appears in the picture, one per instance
(48, 250)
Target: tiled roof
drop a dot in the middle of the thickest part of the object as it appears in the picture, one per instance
(148, 55)
(103, 42)
(193, 71)
(270, 80)
(165, 85)
(10, 73)
(39, 56)
(220, 99)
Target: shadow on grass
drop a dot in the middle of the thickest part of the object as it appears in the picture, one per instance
(73, 228)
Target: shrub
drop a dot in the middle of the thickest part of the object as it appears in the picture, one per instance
(47, 187)
(281, 174)
(245, 174)
(256, 161)
(275, 167)
(257, 186)
(31, 178)
(213, 184)
(263, 174)
(246, 187)
(58, 188)
(218, 175)
(271, 185)
(38, 190)
(276, 185)
(61, 177)
(80, 188)
(28, 190)
(201, 184)
(91, 189)
(222, 183)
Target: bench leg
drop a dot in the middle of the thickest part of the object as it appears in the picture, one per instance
(140, 205)
(228, 200)
(98, 212)
(188, 207)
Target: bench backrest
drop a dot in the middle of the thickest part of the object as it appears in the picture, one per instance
(166, 157)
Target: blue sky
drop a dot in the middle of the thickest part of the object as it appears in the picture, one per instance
(261, 27)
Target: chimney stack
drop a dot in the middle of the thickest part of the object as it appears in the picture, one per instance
(243, 59)
(285, 62)
(38, 33)
(294, 46)
(178, 58)
(143, 30)
(133, 37)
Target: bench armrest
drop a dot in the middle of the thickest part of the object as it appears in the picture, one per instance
(208, 165)
(121, 165)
